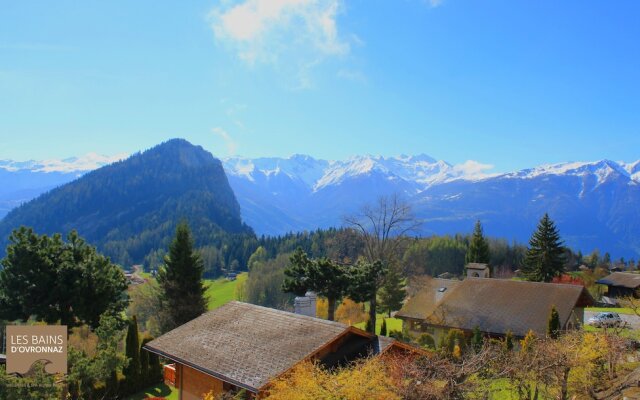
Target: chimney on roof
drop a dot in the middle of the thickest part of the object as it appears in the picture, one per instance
(478, 270)
(305, 305)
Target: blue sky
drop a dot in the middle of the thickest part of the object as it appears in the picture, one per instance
(512, 84)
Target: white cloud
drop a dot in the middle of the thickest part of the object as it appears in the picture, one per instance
(474, 170)
(435, 3)
(266, 31)
(231, 144)
(352, 75)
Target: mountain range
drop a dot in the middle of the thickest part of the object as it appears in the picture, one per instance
(129, 209)
(595, 204)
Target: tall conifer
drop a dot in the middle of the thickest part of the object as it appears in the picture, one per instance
(181, 281)
(479, 247)
(545, 256)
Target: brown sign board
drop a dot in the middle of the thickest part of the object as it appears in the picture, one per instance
(28, 345)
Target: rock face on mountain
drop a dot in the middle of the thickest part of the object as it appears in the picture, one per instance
(131, 207)
(595, 204)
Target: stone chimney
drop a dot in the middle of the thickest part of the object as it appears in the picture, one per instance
(477, 270)
(305, 305)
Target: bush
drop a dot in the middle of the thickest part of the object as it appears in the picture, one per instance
(400, 336)
(427, 341)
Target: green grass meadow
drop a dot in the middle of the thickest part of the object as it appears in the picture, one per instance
(221, 291)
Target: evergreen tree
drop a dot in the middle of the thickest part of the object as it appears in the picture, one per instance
(545, 256)
(144, 361)
(329, 280)
(383, 328)
(369, 326)
(50, 280)
(392, 293)
(553, 326)
(478, 248)
(508, 341)
(477, 340)
(297, 273)
(181, 281)
(323, 276)
(365, 279)
(155, 368)
(132, 352)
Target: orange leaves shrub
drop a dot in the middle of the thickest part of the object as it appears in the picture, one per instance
(360, 381)
(349, 312)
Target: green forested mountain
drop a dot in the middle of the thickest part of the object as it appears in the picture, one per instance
(130, 209)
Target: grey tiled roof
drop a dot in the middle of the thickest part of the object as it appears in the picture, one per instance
(245, 344)
(498, 305)
(423, 302)
(622, 279)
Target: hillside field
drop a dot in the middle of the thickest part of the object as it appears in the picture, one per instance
(221, 291)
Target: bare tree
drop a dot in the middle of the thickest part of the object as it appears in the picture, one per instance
(384, 227)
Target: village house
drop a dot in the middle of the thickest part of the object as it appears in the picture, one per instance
(244, 346)
(619, 285)
(495, 306)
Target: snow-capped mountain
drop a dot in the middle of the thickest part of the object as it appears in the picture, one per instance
(594, 203)
(88, 162)
(21, 181)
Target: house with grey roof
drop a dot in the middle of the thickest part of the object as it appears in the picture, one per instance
(619, 285)
(244, 346)
(495, 306)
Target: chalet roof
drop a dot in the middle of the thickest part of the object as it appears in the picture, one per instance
(423, 303)
(499, 305)
(248, 345)
(621, 279)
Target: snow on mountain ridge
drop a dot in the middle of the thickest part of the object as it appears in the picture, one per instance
(87, 162)
(602, 169)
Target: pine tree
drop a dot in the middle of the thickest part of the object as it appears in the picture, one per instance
(479, 247)
(181, 281)
(323, 276)
(328, 279)
(392, 293)
(553, 327)
(296, 275)
(132, 352)
(545, 256)
(383, 328)
(47, 279)
(365, 280)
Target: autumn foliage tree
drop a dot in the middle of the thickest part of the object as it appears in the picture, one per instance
(363, 380)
